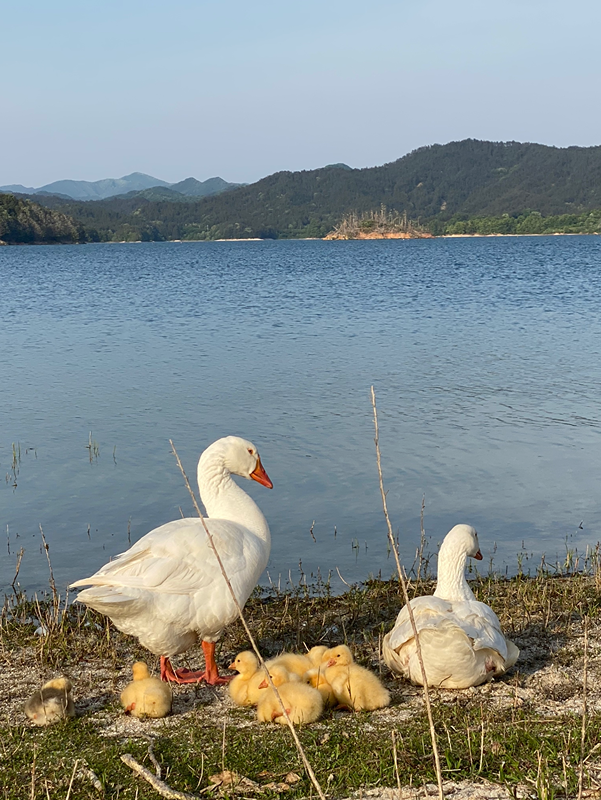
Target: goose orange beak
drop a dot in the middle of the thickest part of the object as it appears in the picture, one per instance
(260, 476)
(478, 556)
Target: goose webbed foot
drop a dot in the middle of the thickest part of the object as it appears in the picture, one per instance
(210, 674)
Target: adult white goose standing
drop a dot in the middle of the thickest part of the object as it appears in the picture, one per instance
(168, 589)
(461, 639)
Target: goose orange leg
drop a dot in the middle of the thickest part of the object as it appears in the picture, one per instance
(210, 674)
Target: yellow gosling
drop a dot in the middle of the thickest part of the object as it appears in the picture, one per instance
(354, 686)
(303, 703)
(146, 696)
(315, 654)
(244, 688)
(315, 678)
(293, 662)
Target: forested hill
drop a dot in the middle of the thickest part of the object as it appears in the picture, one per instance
(438, 184)
(24, 222)
(469, 178)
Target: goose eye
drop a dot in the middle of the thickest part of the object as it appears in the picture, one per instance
(250, 450)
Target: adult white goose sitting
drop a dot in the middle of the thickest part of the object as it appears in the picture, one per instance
(461, 640)
(168, 589)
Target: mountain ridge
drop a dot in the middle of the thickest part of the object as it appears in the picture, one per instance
(438, 186)
(106, 188)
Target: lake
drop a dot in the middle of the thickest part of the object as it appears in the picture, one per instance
(484, 354)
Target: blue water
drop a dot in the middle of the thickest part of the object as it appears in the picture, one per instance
(484, 353)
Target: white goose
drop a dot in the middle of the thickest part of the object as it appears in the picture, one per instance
(168, 589)
(461, 639)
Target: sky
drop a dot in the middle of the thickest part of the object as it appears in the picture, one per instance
(96, 89)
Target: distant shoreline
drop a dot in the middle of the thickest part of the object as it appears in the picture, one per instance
(360, 239)
(497, 235)
(308, 239)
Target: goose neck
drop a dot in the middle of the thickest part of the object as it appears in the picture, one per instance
(451, 584)
(224, 499)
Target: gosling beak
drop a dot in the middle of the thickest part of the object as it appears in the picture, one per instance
(233, 666)
(478, 556)
(263, 684)
(260, 476)
(331, 663)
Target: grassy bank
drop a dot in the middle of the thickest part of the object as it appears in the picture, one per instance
(524, 731)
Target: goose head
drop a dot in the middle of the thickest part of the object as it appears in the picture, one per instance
(246, 663)
(338, 656)
(140, 671)
(279, 676)
(462, 539)
(459, 543)
(238, 457)
(313, 677)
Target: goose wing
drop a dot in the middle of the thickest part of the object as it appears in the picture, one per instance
(177, 558)
(481, 624)
(428, 612)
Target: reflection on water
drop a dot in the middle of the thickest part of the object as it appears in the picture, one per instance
(484, 355)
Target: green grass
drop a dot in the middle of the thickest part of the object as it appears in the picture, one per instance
(346, 753)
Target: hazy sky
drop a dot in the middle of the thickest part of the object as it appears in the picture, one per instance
(94, 89)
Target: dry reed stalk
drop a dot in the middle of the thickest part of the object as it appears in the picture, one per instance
(72, 779)
(482, 731)
(541, 790)
(403, 581)
(55, 598)
(32, 794)
(223, 747)
(158, 785)
(469, 745)
(396, 763)
(342, 579)
(17, 568)
(583, 730)
(155, 763)
(422, 541)
(86, 772)
(251, 639)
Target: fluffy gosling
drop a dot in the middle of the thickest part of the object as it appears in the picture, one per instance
(244, 687)
(51, 703)
(146, 696)
(315, 678)
(294, 662)
(303, 703)
(315, 654)
(354, 686)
